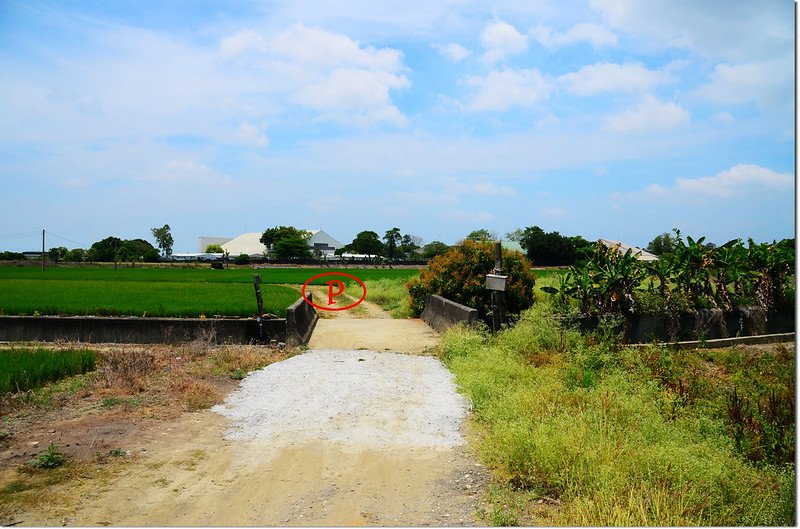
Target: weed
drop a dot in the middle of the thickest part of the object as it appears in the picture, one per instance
(195, 394)
(618, 438)
(116, 452)
(52, 458)
(125, 368)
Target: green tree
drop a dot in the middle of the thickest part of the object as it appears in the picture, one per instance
(393, 239)
(292, 248)
(105, 251)
(409, 244)
(76, 255)
(551, 249)
(214, 248)
(242, 259)
(58, 253)
(367, 243)
(273, 235)
(663, 244)
(482, 235)
(137, 250)
(434, 248)
(164, 239)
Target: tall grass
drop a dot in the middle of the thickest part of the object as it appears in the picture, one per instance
(391, 295)
(560, 418)
(23, 369)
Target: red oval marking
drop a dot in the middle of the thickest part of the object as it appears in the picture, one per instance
(320, 307)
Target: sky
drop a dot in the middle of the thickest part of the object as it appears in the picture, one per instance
(619, 119)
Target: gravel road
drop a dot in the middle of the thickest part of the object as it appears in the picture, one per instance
(366, 398)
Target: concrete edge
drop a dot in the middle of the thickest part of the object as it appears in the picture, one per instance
(724, 342)
(441, 313)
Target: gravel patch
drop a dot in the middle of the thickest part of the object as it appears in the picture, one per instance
(349, 396)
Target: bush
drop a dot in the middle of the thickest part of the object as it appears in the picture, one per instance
(242, 259)
(460, 275)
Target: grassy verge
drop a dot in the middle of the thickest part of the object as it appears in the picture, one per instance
(24, 369)
(391, 295)
(579, 431)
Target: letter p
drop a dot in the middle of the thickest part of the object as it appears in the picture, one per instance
(331, 295)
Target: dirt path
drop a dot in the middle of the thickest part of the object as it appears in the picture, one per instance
(192, 473)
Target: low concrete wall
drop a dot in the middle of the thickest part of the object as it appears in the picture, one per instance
(301, 318)
(441, 313)
(706, 324)
(135, 330)
(295, 329)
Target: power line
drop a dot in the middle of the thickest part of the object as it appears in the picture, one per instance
(68, 240)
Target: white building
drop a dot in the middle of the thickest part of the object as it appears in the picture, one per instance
(320, 244)
(642, 255)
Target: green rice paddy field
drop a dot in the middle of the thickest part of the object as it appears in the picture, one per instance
(158, 292)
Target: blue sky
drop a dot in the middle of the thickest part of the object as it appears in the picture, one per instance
(608, 118)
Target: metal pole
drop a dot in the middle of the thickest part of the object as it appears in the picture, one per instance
(42, 250)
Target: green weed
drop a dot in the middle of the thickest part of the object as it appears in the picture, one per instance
(51, 458)
(577, 419)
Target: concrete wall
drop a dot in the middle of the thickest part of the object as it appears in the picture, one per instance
(706, 324)
(441, 313)
(301, 318)
(135, 330)
(295, 329)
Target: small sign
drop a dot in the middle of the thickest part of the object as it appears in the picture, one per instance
(496, 282)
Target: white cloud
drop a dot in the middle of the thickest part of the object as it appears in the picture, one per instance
(649, 115)
(769, 84)
(325, 50)
(742, 31)
(243, 41)
(609, 77)
(452, 52)
(739, 180)
(501, 39)
(594, 34)
(453, 186)
(249, 134)
(353, 96)
(502, 90)
(726, 118)
(344, 81)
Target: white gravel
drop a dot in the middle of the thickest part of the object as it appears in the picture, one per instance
(361, 397)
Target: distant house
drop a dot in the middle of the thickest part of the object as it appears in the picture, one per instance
(642, 255)
(320, 244)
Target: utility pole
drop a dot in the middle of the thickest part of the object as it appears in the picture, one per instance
(43, 250)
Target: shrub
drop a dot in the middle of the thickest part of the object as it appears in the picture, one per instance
(52, 458)
(242, 259)
(460, 274)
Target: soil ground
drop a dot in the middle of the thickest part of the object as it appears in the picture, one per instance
(179, 469)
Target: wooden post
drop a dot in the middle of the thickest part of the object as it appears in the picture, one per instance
(259, 300)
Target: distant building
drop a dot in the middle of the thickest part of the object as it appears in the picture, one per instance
(642, 255)
(321, 244)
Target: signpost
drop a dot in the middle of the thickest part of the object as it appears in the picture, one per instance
(497, 282)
